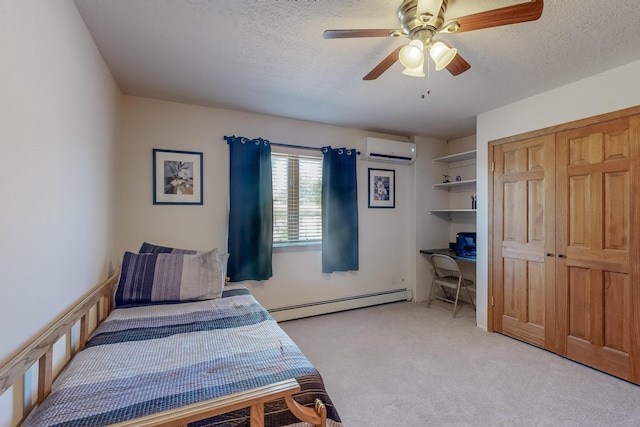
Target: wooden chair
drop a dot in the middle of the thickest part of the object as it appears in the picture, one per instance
(446, 274)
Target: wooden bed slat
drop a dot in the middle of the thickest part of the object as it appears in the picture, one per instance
(84, 332)
(257, 415)
(106, 306)
(45, 375)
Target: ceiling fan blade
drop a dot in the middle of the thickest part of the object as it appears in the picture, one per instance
(347, 34)
(458, 65)
(383, 66)
(523, 12)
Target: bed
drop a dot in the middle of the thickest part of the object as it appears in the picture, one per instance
(220, 361)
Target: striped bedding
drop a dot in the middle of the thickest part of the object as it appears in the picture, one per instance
(143, 360)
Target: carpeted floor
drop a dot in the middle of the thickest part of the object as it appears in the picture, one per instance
(403, 364)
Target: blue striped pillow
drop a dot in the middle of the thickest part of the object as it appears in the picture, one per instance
(149, 248)
(163, 277)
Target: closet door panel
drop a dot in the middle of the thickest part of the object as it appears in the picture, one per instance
(616, 214)
(593, 235)
(536, 279)
(617, 291)
(524, 275)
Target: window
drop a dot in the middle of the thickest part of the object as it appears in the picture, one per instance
(297, 189)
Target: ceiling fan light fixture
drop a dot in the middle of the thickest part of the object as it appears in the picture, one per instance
(414, 72)
(442, 54)
(411, 55)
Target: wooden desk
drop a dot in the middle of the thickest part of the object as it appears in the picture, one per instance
(448, 252)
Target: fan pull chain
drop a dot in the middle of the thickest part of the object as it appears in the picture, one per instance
(428, 77)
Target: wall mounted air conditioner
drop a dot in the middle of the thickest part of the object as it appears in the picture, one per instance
(385, 150)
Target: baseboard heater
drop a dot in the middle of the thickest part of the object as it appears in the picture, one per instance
(340, 304)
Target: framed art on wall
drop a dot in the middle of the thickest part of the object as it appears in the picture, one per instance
(177, 177)
(382, 188)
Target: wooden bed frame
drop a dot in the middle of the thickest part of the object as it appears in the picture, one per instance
(98, 303)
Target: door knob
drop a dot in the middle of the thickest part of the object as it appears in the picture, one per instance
(548, 254)
(560, 256)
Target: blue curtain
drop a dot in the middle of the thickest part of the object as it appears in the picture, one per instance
(339, 210)
(250, 238)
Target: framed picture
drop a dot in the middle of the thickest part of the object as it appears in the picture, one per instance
(177, 177)
(382, 188)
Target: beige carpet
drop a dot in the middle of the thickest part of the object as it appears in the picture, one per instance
(403, 364)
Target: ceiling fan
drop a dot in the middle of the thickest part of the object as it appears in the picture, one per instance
(422, 20)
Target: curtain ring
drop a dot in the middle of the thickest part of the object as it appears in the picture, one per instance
(340, 151)
(348, 152)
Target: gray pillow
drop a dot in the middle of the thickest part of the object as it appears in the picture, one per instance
(156, 249)
(164, 277)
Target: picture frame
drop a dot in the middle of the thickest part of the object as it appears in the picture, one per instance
(177, 177)
(382, 188)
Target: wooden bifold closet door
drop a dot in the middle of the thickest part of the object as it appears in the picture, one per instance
(565, 249)
(524, 223)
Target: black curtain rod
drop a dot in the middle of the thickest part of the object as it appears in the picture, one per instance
(302, 147)
(276, 144)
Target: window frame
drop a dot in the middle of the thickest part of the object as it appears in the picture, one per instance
(293, 156)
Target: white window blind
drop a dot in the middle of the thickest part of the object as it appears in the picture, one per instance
(297, 186)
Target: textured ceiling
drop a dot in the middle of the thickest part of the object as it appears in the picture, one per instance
(268, 56)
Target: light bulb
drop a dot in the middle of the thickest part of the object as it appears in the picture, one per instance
(411, 55)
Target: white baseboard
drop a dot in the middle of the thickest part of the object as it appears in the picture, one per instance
(340, 304)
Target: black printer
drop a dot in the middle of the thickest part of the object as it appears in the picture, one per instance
(466, 244)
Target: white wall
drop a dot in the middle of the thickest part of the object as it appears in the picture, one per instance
(432, 231)
(386, 235)
(58, 113)
(610, 91)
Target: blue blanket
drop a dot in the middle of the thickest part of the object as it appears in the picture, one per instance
(143, 360)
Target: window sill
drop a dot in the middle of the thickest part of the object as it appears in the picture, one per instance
(297, 247)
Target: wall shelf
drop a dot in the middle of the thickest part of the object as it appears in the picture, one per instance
(451, 211)
(469, 184)
(460, 162)
(458, 157)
